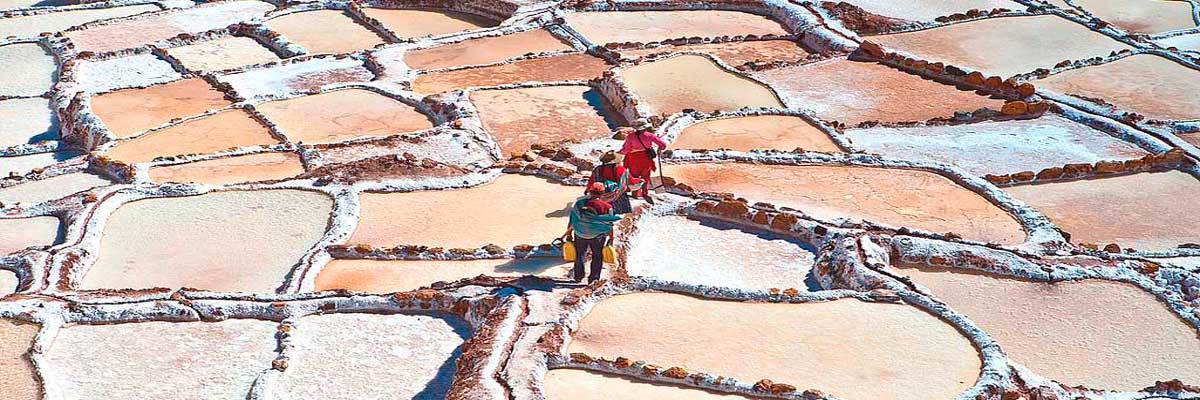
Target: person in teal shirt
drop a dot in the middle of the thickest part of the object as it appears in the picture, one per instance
(590, 228)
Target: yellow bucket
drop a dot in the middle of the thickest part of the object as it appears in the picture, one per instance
(610, 255)
(568, 250)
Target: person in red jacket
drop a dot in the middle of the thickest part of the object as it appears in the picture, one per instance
(610, 172)
(638, 161)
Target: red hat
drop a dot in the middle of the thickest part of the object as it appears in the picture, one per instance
(596, 187)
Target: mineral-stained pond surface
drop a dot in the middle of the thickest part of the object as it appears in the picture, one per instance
(245, 199)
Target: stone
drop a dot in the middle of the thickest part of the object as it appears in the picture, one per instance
(1026, 89)
(1014, 108)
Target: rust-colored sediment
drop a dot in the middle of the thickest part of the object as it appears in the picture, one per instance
(1091, 333)
(1142, 211)
(848, 348)
(1147, 84)
(519, 118)
(221, 131)
(570, 384)
(17, 375)
(20, 233)
(342, 115)
(129, 111)
(853, 92)
(1005, 46)
(577, 66)
(509, 211)
(222, 171)
(897, 197)
(325, 31)
(236, 241)
(408, 23)
(387, 276)
(779, 132)
(694, 82)
(223, 53)
(602, 27)
(485, 50)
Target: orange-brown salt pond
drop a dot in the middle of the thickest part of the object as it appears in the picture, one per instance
(130, 111)
(19, 233)
(512, 210)
(325, 31)
(847, 348)
(1147, 84)
(570, 384)
(1144, 211)
(649, 26)
(17, 375)
(1099, 334)
(779, 132)
(519, 118)
(235, 241)
(30, 193)
(341, 115)
(896, 197)
(732, 53)
(692, 81)
(1141, 16)
(484, 50)
(221, 54)
(159, 360)
(853, 92)
(414, 23)
(387, 276)
(223, 171)
(221, 131)
(576, 66)
(1004, 46)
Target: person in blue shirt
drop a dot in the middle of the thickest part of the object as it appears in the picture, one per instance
(590, 228)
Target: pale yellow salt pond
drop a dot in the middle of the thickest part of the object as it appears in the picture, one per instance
(847, 348)
(567, 67)
(224, 171)
(512, 210)
(1103, 335)
(1142, 16)
(325, 31)
(159, 360)
(602, 27)
(32, 25)
(235, 241)
(1005, 46)
(484, 50)
(414, 23)
(126, 112)
(694, 82)
(17, 375)
(570, 384)
(34, 192)
(221, 131)
(9, 283)
(779, 132)
(221, 54)
(29, 69)
(387, 276)
(19, 233)
(892, 196)
(343, 114)
(519, 118)
(1147, 84)
(1146, 211)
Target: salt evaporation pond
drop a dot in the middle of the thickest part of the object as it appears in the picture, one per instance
(129, 111)
(359, 356)
(512, 210)
(342, 115)
(29, 69)
(27, 120)
(602, 27)
(31, 25)
(9, 283)
(1184, 42)
(778, 132)
(1147, 84)
(1091, 333)
(39, 191)
(22, 165)
(897, 197)
(998, 147)
(569, 67)
(20, 380)
(325, 31)
(852, 92)
(178, 360)
(928, 10)
(847, 348)
(519, 118)
(148, 28)
(388, 276)
(570, 384)
(732, 53)
(223, 171)
(1142, 211)
(677, 249)
(234, 241)
(1140, 16)
(223, 53)
(694, 82)
(209, 134)
(485, 50)
(1005, 46)
(19, 233)
(415, 23)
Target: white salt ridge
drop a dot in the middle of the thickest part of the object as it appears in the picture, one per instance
(119, 73)
(275, 81)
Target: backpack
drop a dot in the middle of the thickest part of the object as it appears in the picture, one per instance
(651, 152)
